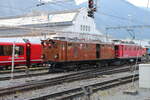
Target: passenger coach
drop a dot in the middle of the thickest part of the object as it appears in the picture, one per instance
(23, 52)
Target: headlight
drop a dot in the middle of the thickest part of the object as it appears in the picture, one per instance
(56, 56)
(43, 56)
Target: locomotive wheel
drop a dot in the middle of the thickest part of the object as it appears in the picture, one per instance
(6, 67)
(98, 65)
(51, 68)
(77, 67)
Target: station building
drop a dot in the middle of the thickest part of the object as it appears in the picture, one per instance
(70, 24)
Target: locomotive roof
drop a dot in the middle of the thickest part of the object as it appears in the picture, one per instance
(41, 18)
(126, 44)
(80, 41)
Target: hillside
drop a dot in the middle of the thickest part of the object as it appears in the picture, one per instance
(110, 13)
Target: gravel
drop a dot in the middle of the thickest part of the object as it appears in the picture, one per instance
(62, 87)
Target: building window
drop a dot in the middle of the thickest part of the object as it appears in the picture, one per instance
(81, 27)
(89, 28)
(86, 28)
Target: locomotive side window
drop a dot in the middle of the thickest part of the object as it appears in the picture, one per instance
(69, 44)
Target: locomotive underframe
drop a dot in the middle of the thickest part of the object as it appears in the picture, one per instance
(87, 64)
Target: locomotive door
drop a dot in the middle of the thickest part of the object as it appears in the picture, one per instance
(28, 54)
(97, 50)
(63, 51)
(116, 50)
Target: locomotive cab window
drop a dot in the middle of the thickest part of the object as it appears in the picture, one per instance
(69, 44)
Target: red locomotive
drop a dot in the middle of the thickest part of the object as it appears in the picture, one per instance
(23, 53)
(57, 53)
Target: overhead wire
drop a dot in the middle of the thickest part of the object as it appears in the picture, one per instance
(148, 4)
(23, 19)
(61, 4)
(136, 62)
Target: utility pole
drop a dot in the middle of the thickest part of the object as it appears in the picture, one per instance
(13, 60)
(148, 4)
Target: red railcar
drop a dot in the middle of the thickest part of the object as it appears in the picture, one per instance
(20, 53)
(126, 51)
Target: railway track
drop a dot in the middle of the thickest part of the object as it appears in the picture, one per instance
(23, 75)
(23, 70)
(62, 79)
(70, 94)
(6, 75)
(31, 74)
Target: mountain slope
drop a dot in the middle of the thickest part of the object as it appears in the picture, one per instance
(110, 13)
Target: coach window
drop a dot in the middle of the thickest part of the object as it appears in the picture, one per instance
(130, 48)
(1, 50)
(19, 50)
(7, 50)
(125, 48)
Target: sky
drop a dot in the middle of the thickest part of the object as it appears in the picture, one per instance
(78, 2)
(140, 3)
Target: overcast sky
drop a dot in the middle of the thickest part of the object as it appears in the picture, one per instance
(141, 3)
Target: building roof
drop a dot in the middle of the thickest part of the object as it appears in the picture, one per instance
(52, 18)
